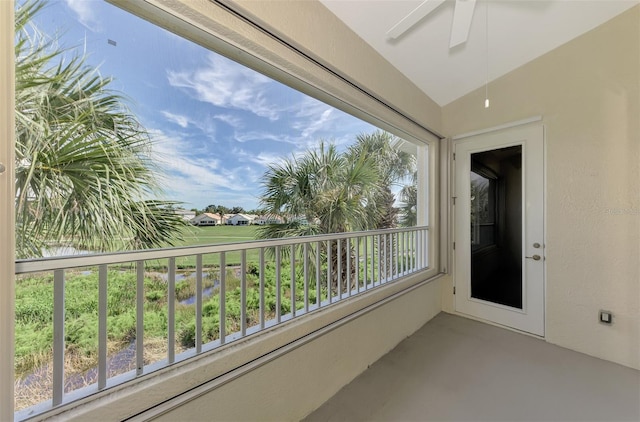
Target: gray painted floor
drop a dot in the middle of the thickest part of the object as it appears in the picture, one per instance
(457, 369)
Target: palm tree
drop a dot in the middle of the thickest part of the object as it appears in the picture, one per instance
(409, 201)
(393, 166)
(329, 190)
(323, 191)
(83, 171)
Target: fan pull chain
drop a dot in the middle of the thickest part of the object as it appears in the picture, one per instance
(486, 85)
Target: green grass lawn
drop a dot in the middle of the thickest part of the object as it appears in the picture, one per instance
(216, 235)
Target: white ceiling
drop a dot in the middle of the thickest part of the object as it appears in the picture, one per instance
(519, 31)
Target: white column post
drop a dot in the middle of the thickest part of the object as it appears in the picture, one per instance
(7, 208)
(422, 210)
(422, 201)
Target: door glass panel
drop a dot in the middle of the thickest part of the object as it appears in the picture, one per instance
(483, 210)
(496, 226)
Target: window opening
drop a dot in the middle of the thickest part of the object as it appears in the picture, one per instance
(201, 143)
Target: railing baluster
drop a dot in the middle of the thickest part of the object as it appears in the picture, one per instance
(416, 258)
(329, 275)
(385, 254)
(348, 250)
(243, 292)
(394, 255)
(58, 336)
(318, 272)
(410, 246)
(405, 240)
(420, 248)
(199, 303)
(399, 254)
(373, 261)
(293, 280)
(366, 259)
(171, 311)
(102, 326)
(278, 286)
(339, 258)
(139, 317)
(410, 255)
(402, 253)
(306, 277)
(357, 272)
(378, 243)
(413, 251)
(262, 288)
(223, 297)
(425, 243)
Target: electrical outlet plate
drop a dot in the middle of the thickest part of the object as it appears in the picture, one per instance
(606, 317)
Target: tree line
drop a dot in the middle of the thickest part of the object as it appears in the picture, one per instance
(222, 210)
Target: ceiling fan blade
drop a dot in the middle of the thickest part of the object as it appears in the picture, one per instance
(414, 17)
(461, 21)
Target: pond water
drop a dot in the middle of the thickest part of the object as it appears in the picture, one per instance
(182, 276)
(205, 293)
(56, 251)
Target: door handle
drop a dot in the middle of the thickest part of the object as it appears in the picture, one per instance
(534, 257)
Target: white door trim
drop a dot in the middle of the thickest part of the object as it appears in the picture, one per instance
(532, 316)
(499, 127)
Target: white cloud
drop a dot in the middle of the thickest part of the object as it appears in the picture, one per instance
(318, 124)
(262, 158)
(230, 119)
(227, 84)
(205, 125)
(198, 179)
(84, 10)
(182, 121)
(262, 136)
(315, 120)
(174, 154)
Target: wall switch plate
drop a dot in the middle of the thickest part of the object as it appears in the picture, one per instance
(606, 317)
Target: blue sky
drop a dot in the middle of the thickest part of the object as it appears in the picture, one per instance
(216, 125)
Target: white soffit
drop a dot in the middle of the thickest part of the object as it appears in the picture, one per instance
(519, 31)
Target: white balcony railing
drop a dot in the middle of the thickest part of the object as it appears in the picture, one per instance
(272, 281)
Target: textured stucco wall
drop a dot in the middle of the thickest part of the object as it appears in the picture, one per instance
(588, 92)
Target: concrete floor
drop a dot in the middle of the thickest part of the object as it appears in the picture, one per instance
(457, 369)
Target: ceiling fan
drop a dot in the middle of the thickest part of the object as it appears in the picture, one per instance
(461, 20)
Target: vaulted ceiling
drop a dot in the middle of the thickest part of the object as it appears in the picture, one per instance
(518, 32)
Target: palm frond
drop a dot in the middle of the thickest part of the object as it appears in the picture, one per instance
(83, 172)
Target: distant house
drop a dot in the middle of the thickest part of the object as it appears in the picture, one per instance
(206, 219)
(186, 214)
(261, 220)
(241, 220)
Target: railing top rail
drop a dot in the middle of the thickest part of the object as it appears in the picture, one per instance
(76, 261)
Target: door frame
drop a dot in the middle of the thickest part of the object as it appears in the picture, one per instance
(505, 135)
